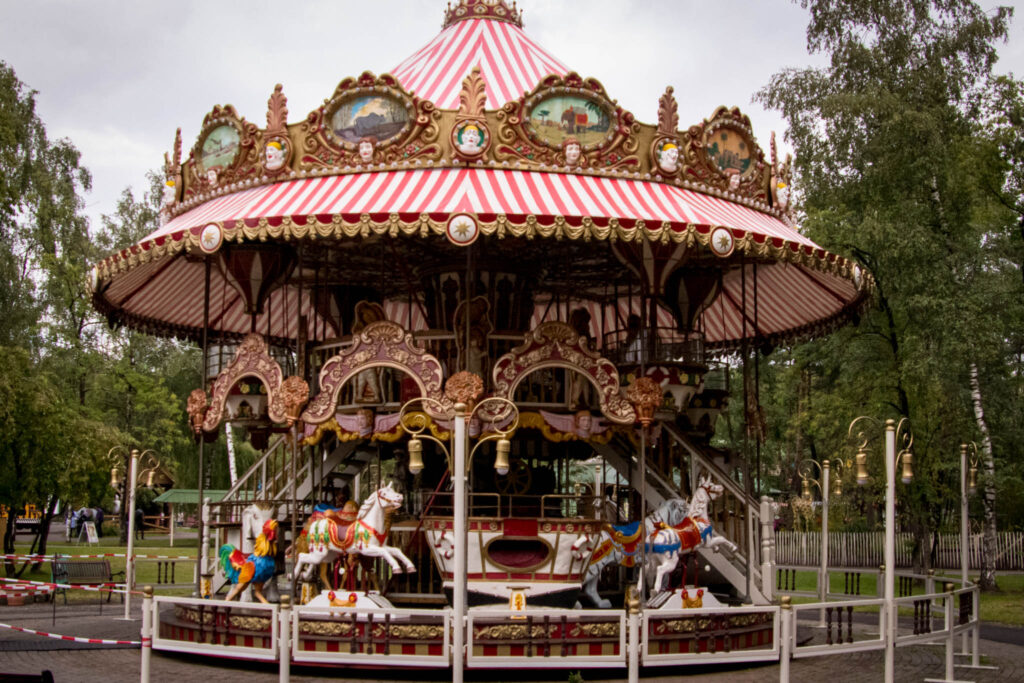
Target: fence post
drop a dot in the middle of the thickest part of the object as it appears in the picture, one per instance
(767, 532)
(786, 651)
(976, 631)
(284, 639)
(147, 633)
(950, 646)
(633, 642)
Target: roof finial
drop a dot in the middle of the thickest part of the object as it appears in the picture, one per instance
(497, 10)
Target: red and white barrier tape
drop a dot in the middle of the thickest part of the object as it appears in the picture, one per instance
(49, 558)
(74, 639)
(22, 589)
(99, 587)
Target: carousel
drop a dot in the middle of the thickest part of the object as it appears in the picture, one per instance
(473, 314)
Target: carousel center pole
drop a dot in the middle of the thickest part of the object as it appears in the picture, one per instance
(459, 573)
(206, 360)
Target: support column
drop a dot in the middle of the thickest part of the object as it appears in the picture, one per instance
(129, 567)
(147, 633)
(890, 550)
(459, 572)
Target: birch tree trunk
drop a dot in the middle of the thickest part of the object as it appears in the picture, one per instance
(232, 469)
(988, 542)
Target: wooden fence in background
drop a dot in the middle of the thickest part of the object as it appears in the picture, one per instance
(866, 549)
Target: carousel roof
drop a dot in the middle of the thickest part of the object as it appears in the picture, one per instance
(520, 187)
(509, 61)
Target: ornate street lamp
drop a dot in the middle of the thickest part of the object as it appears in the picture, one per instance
(893, 432)
(130, 483)
(806, 471)
(463, 388)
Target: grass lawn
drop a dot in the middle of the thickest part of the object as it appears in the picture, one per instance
(1003, 607)
(146, 571)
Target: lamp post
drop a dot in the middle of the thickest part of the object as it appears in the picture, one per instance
(416, 425)
(893, 431)
(130, 483)
(968, 485)
(806, 470)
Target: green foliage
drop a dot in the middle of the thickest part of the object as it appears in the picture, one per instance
(908, 156)
(71, 389)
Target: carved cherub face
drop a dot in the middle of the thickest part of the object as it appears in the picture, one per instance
(211, 177)
(366, 151)
(669, 160)
(734, 181)
(274, 154)
(572, 153)
(470, 137)
(169, 192)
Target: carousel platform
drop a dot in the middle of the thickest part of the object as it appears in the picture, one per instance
(355, 629)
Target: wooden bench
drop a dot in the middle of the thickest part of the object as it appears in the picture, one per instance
(86, 572)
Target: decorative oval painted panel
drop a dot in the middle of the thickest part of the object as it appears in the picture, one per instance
(377, 116)
(729, 150)
(220, 147)
(555, 118)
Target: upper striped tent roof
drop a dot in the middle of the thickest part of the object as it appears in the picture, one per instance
(509, 61)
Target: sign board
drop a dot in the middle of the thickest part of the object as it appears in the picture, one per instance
(89, 529)
(517, 604)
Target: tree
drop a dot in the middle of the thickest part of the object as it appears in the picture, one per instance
(892, 175)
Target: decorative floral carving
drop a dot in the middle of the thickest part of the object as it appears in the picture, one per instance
(782, 181)
(172, 179)
(608, 629)
(276, 146)
(557, 345)
(513, 631)
(277, 112)
(645, 395)
(196, 407)
(473, 98)
(464, 387)
(251, 360)
(470, 136)
(416, 141)
(668, 113)
(294, 393)
(379, 344)
(325, 628)
(409, 631)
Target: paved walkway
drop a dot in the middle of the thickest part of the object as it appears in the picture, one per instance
(22, 653)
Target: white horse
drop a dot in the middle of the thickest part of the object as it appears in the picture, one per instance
(367, 535)
(670, 541)
(618, 544)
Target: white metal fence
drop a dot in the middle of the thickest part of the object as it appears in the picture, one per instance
(866, 549)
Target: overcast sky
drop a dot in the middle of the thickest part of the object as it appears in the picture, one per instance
(117, 77)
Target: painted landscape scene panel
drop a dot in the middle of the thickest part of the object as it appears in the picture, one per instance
(375, 116)
(729, 150)
(220, 147)
(553, 119)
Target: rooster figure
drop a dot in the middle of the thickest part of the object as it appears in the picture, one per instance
(256, 569)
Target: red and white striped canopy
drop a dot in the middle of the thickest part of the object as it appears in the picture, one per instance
(509, 62)
(484, 191)
(793, 295)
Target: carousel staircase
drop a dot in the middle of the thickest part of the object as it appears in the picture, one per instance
(733, 567)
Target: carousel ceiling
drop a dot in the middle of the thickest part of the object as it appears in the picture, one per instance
(480, 136)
